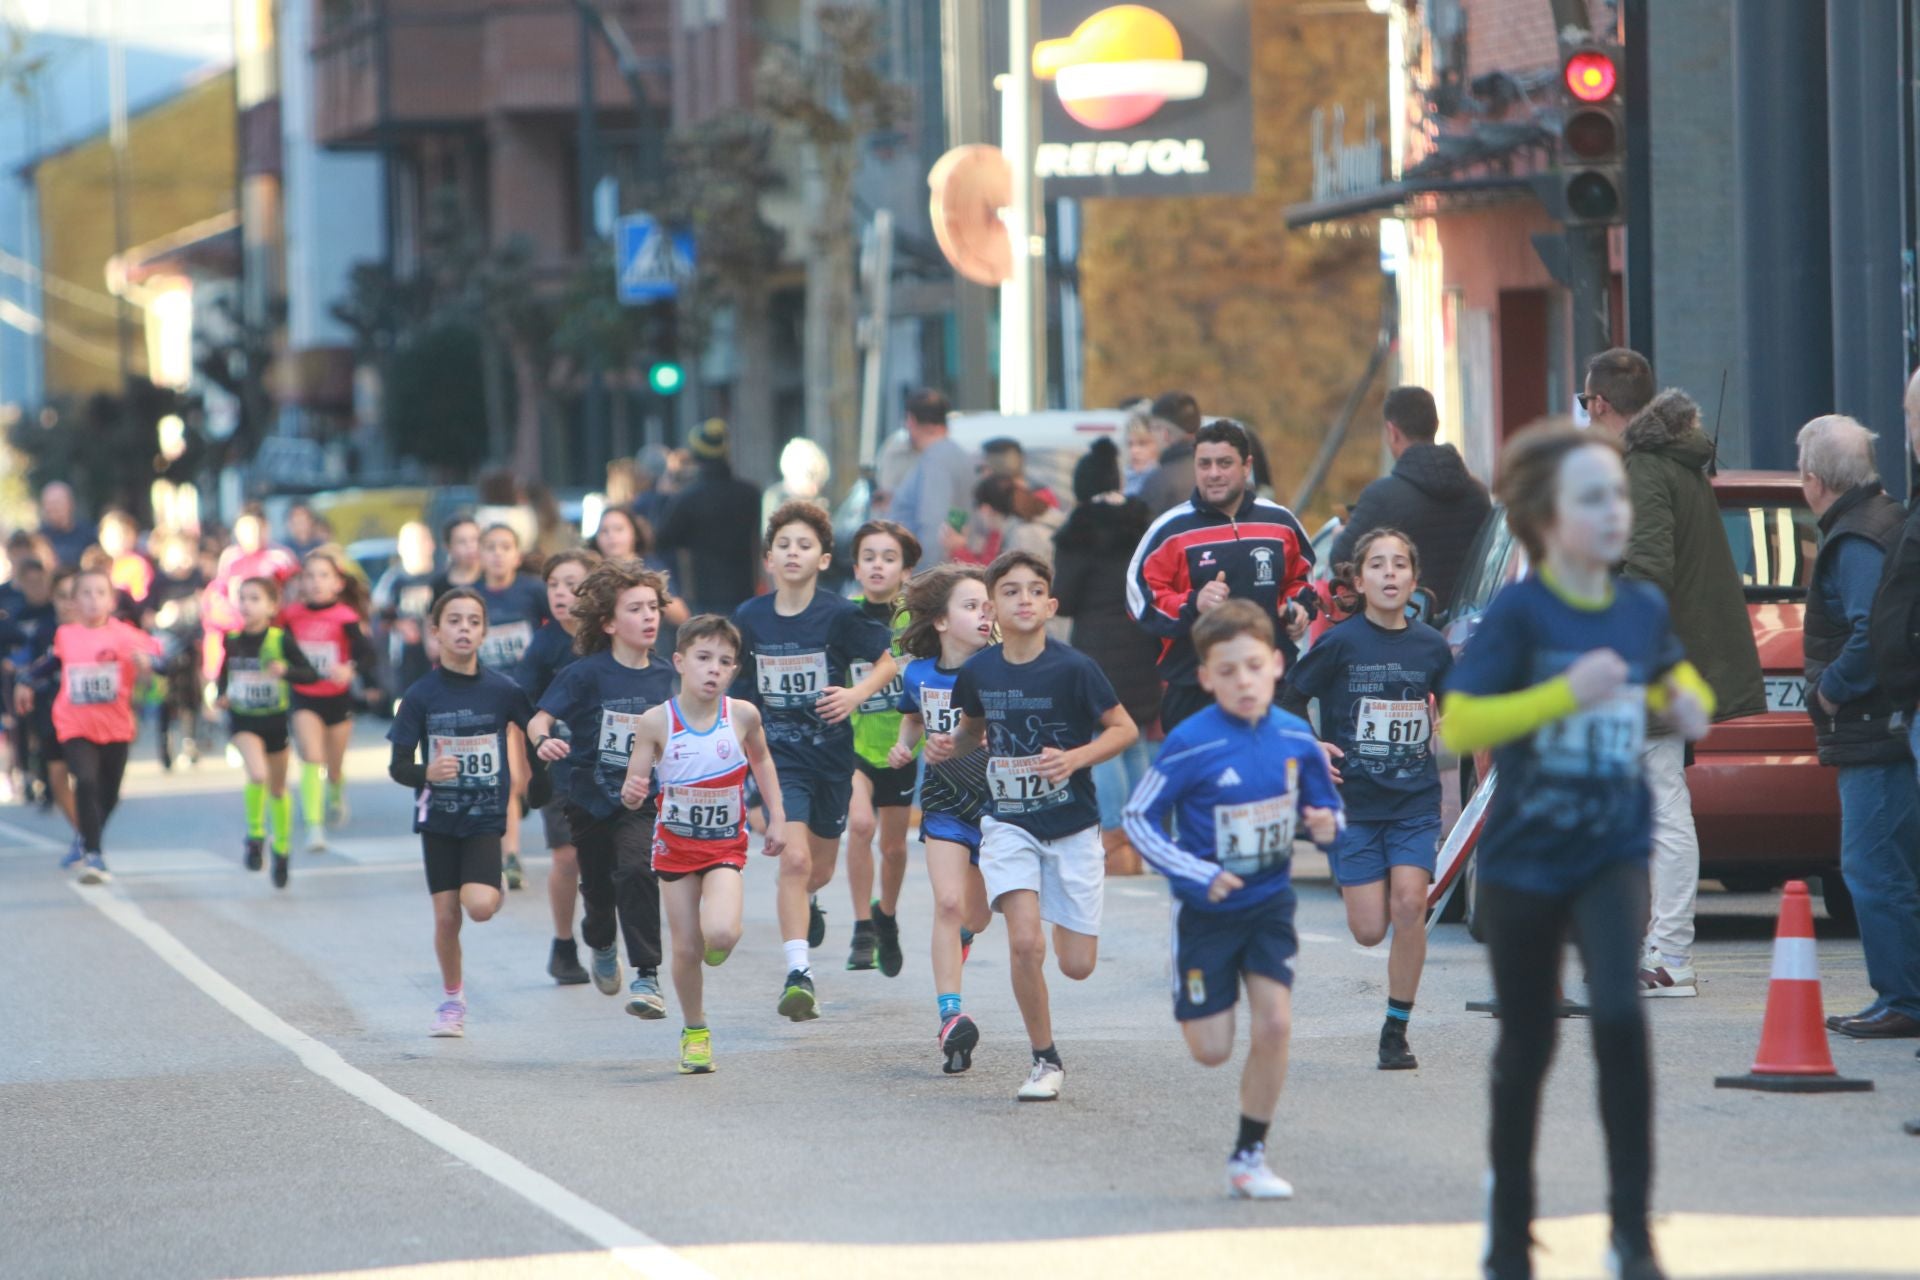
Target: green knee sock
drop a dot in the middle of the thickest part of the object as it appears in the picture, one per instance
(256, 798)
(333, 791)
(282, 821)
(313, 794)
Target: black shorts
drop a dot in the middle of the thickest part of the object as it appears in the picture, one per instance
(892, 788)
(668, 877)
(271, 730)
(554, 824)
(1211, 949)
(817, 800)
(453, 861)
(332, 708)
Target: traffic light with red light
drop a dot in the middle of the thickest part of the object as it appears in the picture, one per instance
(1588, 187)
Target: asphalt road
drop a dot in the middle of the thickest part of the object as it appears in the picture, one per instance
(201, 1077)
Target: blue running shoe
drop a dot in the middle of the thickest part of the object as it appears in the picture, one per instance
(74, 853)
(93, 870)
(606, 969)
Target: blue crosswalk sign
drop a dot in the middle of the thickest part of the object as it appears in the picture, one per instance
(650, 263)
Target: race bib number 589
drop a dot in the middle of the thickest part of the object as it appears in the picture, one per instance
(478, 756)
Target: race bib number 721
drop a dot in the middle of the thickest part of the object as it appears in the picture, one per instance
(1016, 785)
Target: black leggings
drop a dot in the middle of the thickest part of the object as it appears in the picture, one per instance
(1525, 933)
(97, 768)
(616, 878)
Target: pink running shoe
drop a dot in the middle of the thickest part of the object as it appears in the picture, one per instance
(449, 1020)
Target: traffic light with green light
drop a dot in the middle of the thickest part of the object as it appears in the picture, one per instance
(666, 378)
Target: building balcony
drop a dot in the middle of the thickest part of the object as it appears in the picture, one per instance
(384, 69)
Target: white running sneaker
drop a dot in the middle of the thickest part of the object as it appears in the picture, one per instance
(449, 1021)
(1660, 980)
(1248, 1178)
(316, 840)
(1044, 1084)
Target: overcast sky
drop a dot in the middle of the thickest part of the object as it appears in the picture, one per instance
(202, 28)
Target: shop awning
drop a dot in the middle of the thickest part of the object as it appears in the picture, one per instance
(1394, 196)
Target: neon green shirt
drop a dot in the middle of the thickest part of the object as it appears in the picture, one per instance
(876, 723)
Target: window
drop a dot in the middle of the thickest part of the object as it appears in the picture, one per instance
(1773, 548)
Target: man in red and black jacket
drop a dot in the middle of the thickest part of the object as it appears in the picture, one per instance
(1224, 543)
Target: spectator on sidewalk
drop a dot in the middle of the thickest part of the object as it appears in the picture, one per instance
(937, 493)
(1429, 495)
(68, 536)
(1678, 544)
(1176, 418)
(1223, 542)
(1895, 624)
(706, 522)
(1014, 518)
(1856, 723)
(1091, 551)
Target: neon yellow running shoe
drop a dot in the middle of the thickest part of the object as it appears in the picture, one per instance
(696, 1051)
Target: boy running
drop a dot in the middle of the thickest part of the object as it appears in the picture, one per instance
(702, 745)
(1048, 715)
(798, 646)
(1236, 778)
(884, 553)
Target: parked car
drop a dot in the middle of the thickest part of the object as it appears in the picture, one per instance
(1765, 809)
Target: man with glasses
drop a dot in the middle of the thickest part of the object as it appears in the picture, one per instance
(1679, 544)
(1223, 543)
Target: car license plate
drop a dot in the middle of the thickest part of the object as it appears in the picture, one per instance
(1786, 693)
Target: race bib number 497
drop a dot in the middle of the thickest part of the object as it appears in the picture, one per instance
(791, 679)
(1016, 785)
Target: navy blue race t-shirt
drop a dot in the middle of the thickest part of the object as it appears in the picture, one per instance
(445, 713)
(1571, 797)
(785, 664)
(1057, 700)
(514, 614)
(1373, 685)
(602, 701)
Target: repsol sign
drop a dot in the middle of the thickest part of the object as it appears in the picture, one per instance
(1168, 157)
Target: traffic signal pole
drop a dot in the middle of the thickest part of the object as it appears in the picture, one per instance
(1588, 275)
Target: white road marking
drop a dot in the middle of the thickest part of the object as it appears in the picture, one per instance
(627, 1244)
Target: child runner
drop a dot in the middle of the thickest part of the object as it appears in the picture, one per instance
(703, 775)
(516, 609)
(457, 717)
(1558, 679)
(550, 652)
(96, 659)
(884, 554)
(328, 625)
(1048, 715)
(38, 725)
(1236, 779)
(258, 662)
(601, 698)
(799, 645)
(952, 621)
(1375, 676)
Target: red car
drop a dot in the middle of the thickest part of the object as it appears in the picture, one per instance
(1765, 809)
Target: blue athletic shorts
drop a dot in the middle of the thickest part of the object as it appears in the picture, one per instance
(1211, 949)
(817, 800)
(944, 826)
(1365, 850)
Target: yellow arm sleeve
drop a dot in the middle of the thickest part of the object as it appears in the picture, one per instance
(1687, 677)
(1472, 722)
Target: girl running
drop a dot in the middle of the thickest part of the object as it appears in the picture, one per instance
(601, 699)
(622, 535)
(516, 610)
(39, 725)
(1375, 676)
(551, 651)
(260, 661)
(952, 620)
(884, 553)
(1558, 680)
(329, 627)
(702, 828)
(449, 741)
(96, 658)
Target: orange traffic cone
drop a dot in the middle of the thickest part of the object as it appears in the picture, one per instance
(1793, 1056)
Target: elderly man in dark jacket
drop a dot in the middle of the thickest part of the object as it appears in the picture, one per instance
(1679, 544)
(1429, 495)
(1860, 731)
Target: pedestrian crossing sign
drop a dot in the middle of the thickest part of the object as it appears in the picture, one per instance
(650, 262)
